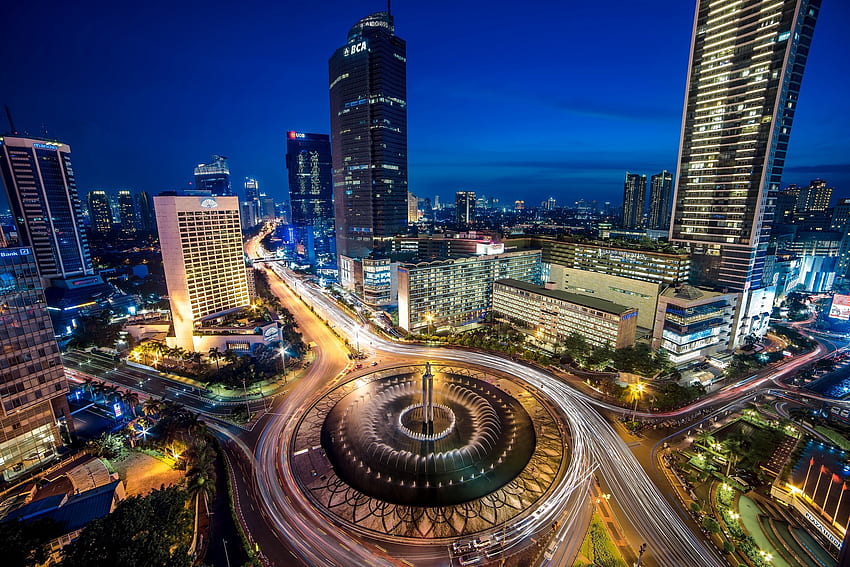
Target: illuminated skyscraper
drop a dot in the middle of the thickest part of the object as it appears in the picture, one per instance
(634, 200)
(144, 206)
(308, 162)
(32, 382)
(43, 198)
(203, 259)
(465, 208)
(368, 95)
(127, 212)
(815, 197)
(746, 65)
(660, 200)
(214, 176)
(100, 212)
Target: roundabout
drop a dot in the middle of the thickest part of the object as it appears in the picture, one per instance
(429, 452)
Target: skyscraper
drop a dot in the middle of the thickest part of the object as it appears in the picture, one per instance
(203, 259)
(815, 197)
(32, 381)
(368, 95)
(746, 65)
(660, 200)
(127, 212)
(144, 206)
(308, 163)
(634, 200)
(100, 212)
(252, 189)
(214, 176)
(465, 208)
(43, 198)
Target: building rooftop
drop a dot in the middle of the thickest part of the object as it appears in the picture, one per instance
(73, 513)
(583, 300)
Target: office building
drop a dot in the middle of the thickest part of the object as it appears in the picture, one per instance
(815, 197)
(32, 380)
(147, 218)
(460, 290)
(840, 220)
(465, 208)
(248, 214)
(634, 200)
(100, 212)
(368, 97)
(214, 177)
(746, 65)
(252, 189)
(127, 212)
(786, 205)
(203, 259)
(42, 195)
(693, 323)
(551, 316)
(311, 194)
(660, 200)
(412, 208)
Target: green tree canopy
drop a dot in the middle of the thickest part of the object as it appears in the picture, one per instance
(24, 544)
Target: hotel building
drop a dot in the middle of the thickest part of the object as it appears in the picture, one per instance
(551, 316)
(203, 258)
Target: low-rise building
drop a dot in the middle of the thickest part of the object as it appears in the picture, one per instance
(692, 323)
(460, 290)
(553, 315)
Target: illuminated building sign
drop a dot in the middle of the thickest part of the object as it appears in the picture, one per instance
(840, 308)
(209, 203)
(45, 146)
(117, 408)
(356, 48)
(296, 135)
(14, 253)
(271, 334)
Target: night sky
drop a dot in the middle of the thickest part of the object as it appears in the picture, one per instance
(516, 100)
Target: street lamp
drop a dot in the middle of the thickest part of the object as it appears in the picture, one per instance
(283, 355)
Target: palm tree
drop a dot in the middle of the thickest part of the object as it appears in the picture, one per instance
(88, 385)
(706, 439)
(151, 407)
(131, 398)
(215, 355)
(230, 356)
(201, 475)
(98, 390)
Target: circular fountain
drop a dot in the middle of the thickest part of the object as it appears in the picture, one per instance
(426, 442)
(428, 452)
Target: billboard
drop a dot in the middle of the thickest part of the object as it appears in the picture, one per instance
(840, 308)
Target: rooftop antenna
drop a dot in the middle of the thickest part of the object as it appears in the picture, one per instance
(9, 117)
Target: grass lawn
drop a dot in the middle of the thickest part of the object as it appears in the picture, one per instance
(598, 550)
(142, 473)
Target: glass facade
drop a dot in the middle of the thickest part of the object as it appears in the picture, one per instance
(660, 200)
(308, 162)
(746, 65)
(127, 212)
(214, 177)
(32, 380)
(368, 96)
(100, 212)
(43, 198)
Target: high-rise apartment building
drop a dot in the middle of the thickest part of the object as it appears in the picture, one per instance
(746, 65)
(368, 96)
(100, 212)
(42, 195)
(214, 177)
(32, 381)
(127, 212)
(634, 200)
(660, 200)
(203, 258)
(465, 208)
(311, 195)
(815, 197)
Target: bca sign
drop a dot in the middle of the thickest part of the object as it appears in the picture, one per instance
(356, 48)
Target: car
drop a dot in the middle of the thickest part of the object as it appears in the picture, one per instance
(374, 363)
(470, 559)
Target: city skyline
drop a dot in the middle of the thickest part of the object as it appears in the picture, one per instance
(550, 140)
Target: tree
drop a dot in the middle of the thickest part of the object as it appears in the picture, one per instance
(711, 525)
(215, 355)
(108, 445)
(201, 475)
(25, 543)
(149, 531)
(695, 507)
(131, 399)
(706, 439)
(151, 407)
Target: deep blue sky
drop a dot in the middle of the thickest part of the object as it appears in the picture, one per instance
(517, 100)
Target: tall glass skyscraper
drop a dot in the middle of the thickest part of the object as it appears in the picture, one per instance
(368, 95)
(100, 212)
(634, 200)
(43, 198)
(308, 161)
(214, 177)
(660, 200)
(746, 65)
(127, 212)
